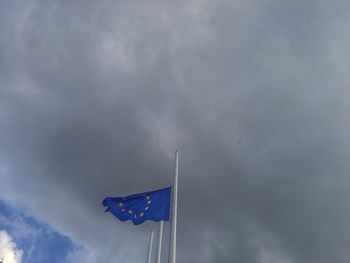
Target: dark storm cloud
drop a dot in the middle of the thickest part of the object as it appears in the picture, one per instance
(96, 96)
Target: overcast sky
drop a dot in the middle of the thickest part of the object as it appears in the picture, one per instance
(96, 96)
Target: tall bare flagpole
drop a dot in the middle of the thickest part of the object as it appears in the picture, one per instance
(150, 247)
(172, 254)
(159, 241)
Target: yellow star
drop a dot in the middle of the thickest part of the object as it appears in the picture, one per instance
(130, 211)
(146, 208)
(141, 214)
(120, 204)
(148, 197)
(149, 202)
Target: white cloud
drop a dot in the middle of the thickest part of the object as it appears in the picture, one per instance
(8, 249)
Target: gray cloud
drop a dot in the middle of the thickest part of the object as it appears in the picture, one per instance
(96, 96)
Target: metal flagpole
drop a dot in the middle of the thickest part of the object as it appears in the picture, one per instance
(159, 241)
(150, 247)
(172, 253)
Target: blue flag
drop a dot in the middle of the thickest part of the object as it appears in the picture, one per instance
(138, 208)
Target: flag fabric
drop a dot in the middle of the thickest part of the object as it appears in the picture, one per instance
(138, 208)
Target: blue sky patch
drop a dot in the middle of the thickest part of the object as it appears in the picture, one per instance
(38, 241)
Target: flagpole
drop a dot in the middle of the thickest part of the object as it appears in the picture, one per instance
(172, 254)
(159, 241)
(150, 247)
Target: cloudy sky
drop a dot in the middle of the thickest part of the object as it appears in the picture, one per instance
(95, 97)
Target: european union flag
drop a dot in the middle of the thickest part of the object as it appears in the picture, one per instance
(138, 208)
